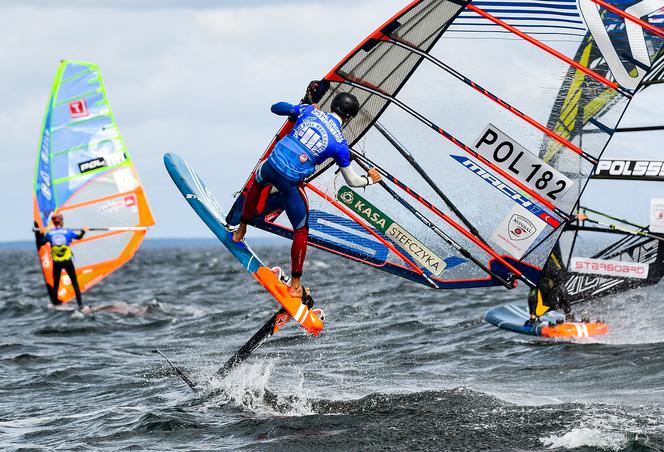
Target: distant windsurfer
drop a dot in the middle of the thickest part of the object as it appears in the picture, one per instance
(60, 239)
(316, 137)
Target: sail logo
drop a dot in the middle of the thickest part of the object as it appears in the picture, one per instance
(45, 147)
(44, 166)
(518, 231)
(346, 197)
(363, 207)
(507, 190)
(101, 162)
(657, 215)
(78, 108)
(521, 228)
(609, 267)
(629, 78)
(45, 185)
(114, 206)
(130, 201)
(90, 165)
(629, 169)
(395, 232)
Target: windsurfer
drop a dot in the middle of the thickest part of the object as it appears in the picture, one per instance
(316, 137)
(60, 239)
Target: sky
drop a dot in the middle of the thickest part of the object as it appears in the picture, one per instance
(194, 77)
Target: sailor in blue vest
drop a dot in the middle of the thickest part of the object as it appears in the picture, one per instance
(60, 239)
(316, 136)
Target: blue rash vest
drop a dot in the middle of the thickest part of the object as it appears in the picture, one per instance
(60, 236)
(316, 137)
(60, 240)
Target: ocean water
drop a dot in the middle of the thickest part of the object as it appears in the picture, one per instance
(398, 367)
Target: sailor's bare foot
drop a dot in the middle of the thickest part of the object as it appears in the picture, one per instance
(295, 291)
(239, 233)
(295, 288)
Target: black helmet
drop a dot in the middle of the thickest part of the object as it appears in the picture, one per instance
(345, 105)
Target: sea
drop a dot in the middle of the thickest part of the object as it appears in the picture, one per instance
(397, 367)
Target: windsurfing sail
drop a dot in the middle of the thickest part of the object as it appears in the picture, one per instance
(634, 260)
(612, 251)
(477, 184)
(590, 262)
(84, 171)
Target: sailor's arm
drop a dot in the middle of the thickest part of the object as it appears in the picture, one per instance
(80, 235)
(576, 220)
(342, 158)
(286, 109)
(315, 92)
(40, 235)
(357, 181)
(283, 109)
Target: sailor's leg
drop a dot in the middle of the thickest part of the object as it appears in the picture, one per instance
(51, 294)
(532, 306)
(250, 205)
(298, 253)
(566, 307)
(57, 271)
(71, 271)
(297, 209)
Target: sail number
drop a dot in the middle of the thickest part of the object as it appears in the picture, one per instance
(523, 165)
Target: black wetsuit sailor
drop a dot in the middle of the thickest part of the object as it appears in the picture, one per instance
(60, 239)
(549, 296)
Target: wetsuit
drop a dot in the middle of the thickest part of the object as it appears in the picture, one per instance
(60, 240)
(549, 289)
(316, 137)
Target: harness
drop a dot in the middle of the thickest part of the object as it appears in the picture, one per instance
(60, 253)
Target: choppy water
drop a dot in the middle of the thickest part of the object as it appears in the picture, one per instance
(399, 366)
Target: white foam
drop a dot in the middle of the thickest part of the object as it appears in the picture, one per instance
(77, 315)
(633, 317)
(586, 437)
(246, 387)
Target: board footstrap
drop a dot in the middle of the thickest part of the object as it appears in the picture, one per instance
(294, 306)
